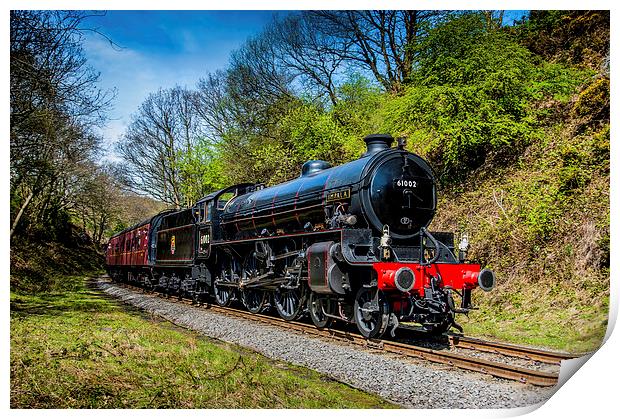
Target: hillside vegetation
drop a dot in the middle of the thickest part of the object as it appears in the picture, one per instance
(540, 215)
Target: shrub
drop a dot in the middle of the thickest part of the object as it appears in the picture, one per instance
(593, 101)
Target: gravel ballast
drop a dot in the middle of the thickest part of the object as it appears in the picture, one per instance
(410, 384)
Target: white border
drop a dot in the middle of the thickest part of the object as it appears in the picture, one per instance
(590, 393)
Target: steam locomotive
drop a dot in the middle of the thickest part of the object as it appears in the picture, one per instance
(347, 243)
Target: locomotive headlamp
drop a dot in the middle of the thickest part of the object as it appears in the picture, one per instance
(404, 279)
(463, 247)
(486, 280)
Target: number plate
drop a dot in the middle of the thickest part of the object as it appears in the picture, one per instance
(405, 183)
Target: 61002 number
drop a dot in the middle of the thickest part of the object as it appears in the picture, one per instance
(404, 183)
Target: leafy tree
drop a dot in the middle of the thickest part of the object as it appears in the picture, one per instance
(357, 112)
(201, 171)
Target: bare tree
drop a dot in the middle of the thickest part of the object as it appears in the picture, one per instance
(214, 106)
(318, 47)
(382, 42)
(307, 52)
(258, 87)
(97, 201)
(165, 125)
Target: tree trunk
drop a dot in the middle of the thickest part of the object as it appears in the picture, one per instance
(20, 213)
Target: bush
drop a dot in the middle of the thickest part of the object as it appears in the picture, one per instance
(308, 131)
(593, 101)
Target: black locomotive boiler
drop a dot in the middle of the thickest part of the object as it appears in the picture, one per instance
(347, 243)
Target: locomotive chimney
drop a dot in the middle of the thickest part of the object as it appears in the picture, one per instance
(376, 143)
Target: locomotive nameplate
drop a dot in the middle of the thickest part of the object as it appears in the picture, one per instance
(338, 195)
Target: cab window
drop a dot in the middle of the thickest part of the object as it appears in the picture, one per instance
(223, 200)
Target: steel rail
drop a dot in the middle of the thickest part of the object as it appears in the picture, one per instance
(497, 369)
(509, 349)
(500, 348)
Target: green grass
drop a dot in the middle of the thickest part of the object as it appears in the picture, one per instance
(79, 349)
(576, 330)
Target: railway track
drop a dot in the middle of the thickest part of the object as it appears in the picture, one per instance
(470, 363)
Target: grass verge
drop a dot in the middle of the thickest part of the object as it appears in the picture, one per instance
(79, 349)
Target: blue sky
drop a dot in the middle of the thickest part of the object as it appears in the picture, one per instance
(161, 49)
